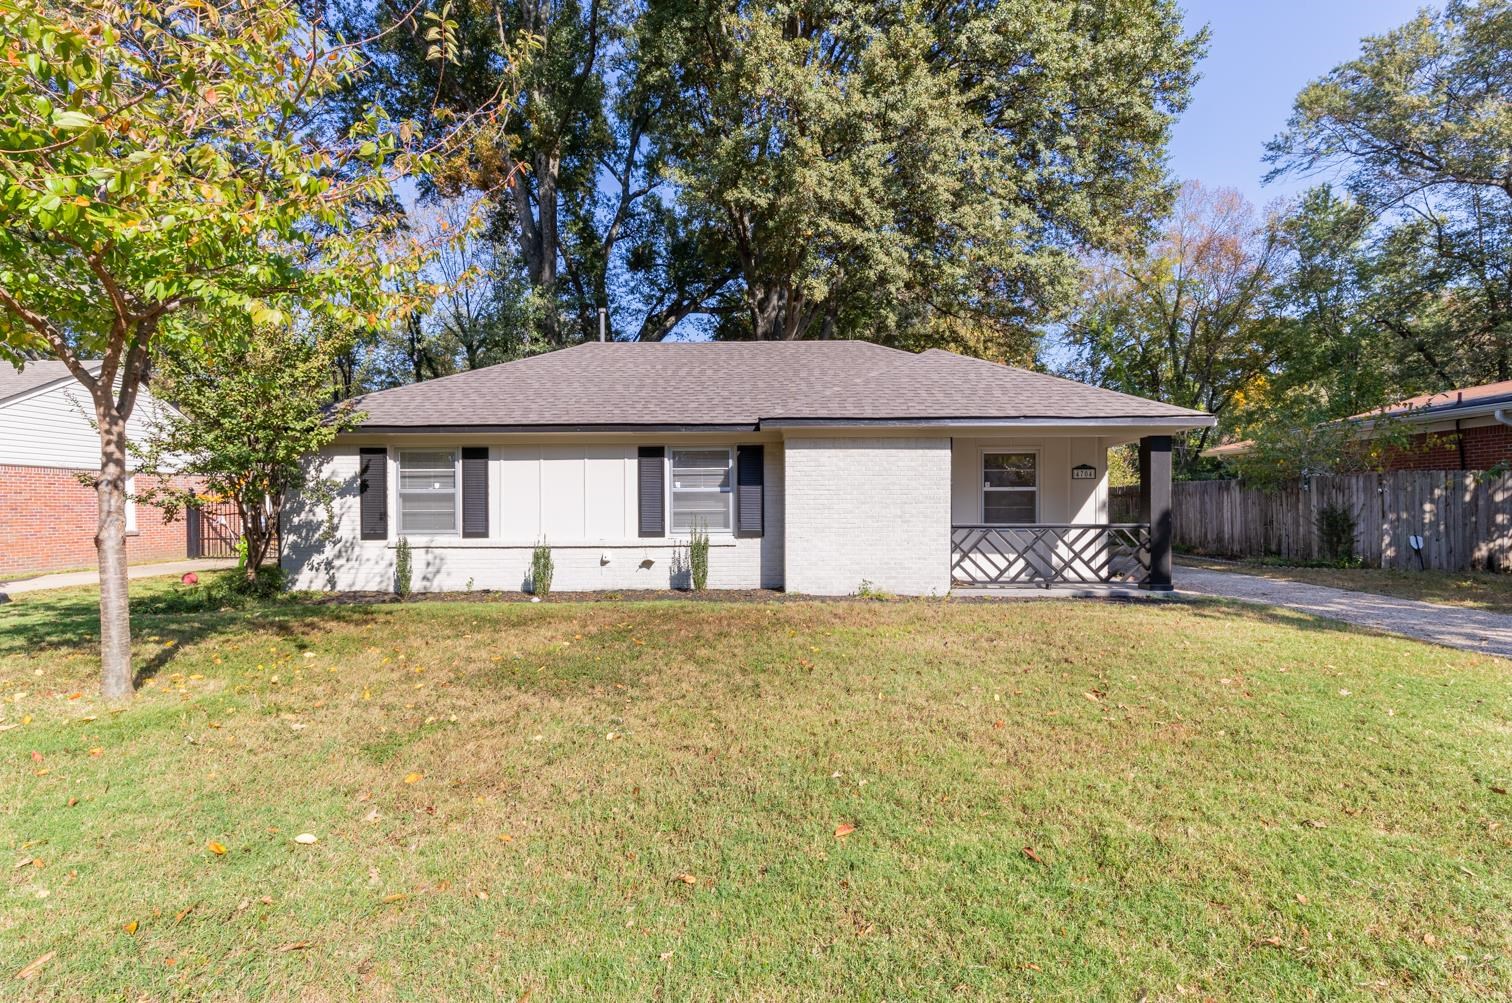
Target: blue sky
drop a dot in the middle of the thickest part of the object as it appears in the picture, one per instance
(1261, 54)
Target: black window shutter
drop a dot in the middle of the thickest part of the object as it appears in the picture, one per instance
(475, 491)
(652, 491)
(372, 491)
(748, 477)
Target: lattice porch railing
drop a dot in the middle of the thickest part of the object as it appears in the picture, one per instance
(1049, 554)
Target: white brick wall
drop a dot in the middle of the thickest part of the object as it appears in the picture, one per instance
(868, 508)
(339, 560)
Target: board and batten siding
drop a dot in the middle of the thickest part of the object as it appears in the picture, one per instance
(1061, 499)
(53, 427)
(580, 499)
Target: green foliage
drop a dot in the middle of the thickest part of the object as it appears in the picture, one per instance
(542, 567)
(1336, 534)
(1123, 466)
(404, 569)
(915, 175)
(1417, 129)
(168, 177)
(698, 557)
(1185, 319)
(247, 418)
(866, 590)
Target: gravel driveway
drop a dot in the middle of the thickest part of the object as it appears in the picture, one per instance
(1453, 626)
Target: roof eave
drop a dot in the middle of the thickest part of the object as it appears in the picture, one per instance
(1174, 422)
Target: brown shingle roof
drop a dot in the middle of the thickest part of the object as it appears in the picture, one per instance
(744, 384)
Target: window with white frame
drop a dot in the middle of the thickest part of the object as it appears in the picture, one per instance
(701, 492)
(428, 492)
(1010, 487)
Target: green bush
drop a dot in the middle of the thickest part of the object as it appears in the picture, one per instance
(698, 557)
(541, 568)
(1336, 533)
(404, 569)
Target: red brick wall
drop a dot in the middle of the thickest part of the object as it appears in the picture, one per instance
(47, 523)
(1485, 447)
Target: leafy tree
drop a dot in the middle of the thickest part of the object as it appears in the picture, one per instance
(247, 417)
(908, 173)
(1418, 132)
(561, 179)
(1187, 319)
(1423, 108)
(164, 170)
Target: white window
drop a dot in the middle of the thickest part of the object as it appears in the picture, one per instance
(1010, 487)
(131, 523)
(428, 492)
(701, 494)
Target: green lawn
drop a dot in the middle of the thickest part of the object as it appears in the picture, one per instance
(1051, 800)
(1475, 589)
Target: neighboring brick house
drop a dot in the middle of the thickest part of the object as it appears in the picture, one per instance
(818, 467)
(1467, 429)
(48, 515)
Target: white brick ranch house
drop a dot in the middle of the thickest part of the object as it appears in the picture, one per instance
(814, 466)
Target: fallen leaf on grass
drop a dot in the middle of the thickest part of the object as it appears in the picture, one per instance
(1029, 852)
(130, 927)
(844, 829)
(395, 897)
(183, 913)
(31, 970)
(219, 849)
(1498, 789)
(293, 945)
(505, 837)
(413, 778)
(687, 879)
(1272, 942)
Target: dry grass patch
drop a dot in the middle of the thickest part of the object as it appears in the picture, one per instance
(1049, 800)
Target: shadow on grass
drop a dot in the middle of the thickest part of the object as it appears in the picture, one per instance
(1217, 607)
(70, 622)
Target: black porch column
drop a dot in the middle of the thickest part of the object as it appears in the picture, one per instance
(1155, 506)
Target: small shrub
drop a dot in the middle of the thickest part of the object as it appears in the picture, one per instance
(541, 568)
(698, 557)
(404, 569)
(1336, 532)
(866, 590)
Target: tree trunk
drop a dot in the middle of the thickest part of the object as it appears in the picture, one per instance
(110, 544)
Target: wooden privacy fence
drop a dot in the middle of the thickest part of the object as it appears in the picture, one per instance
(1464, 517)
